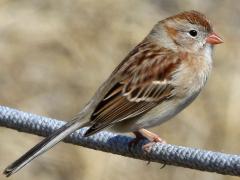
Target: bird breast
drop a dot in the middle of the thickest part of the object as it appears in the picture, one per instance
(192, 75)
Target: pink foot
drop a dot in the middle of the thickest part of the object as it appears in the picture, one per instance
(147, 147)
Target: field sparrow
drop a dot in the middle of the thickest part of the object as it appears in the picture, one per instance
(158, 78)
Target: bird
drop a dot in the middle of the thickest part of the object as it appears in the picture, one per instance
(161, 76)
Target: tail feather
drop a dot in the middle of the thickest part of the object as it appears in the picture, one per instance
(43, 146)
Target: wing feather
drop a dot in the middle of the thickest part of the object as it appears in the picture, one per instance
(144, 81)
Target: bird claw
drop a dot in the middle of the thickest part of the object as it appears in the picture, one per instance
(145, 134)
(147, 147)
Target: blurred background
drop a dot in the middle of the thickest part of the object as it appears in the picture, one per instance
(55, 53)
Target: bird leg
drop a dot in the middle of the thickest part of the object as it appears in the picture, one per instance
(135, 141)
(152, 137)
(145, 134)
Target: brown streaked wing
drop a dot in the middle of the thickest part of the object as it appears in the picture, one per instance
(144, 82)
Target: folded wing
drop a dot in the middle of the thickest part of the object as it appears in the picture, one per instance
(144, 81)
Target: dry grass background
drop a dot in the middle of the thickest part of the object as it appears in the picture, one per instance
(55, 53)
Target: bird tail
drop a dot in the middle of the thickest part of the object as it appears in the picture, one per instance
(44, 145)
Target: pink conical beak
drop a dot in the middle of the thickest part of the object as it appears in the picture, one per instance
(213, 38)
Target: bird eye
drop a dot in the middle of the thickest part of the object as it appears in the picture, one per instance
(193, 33)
